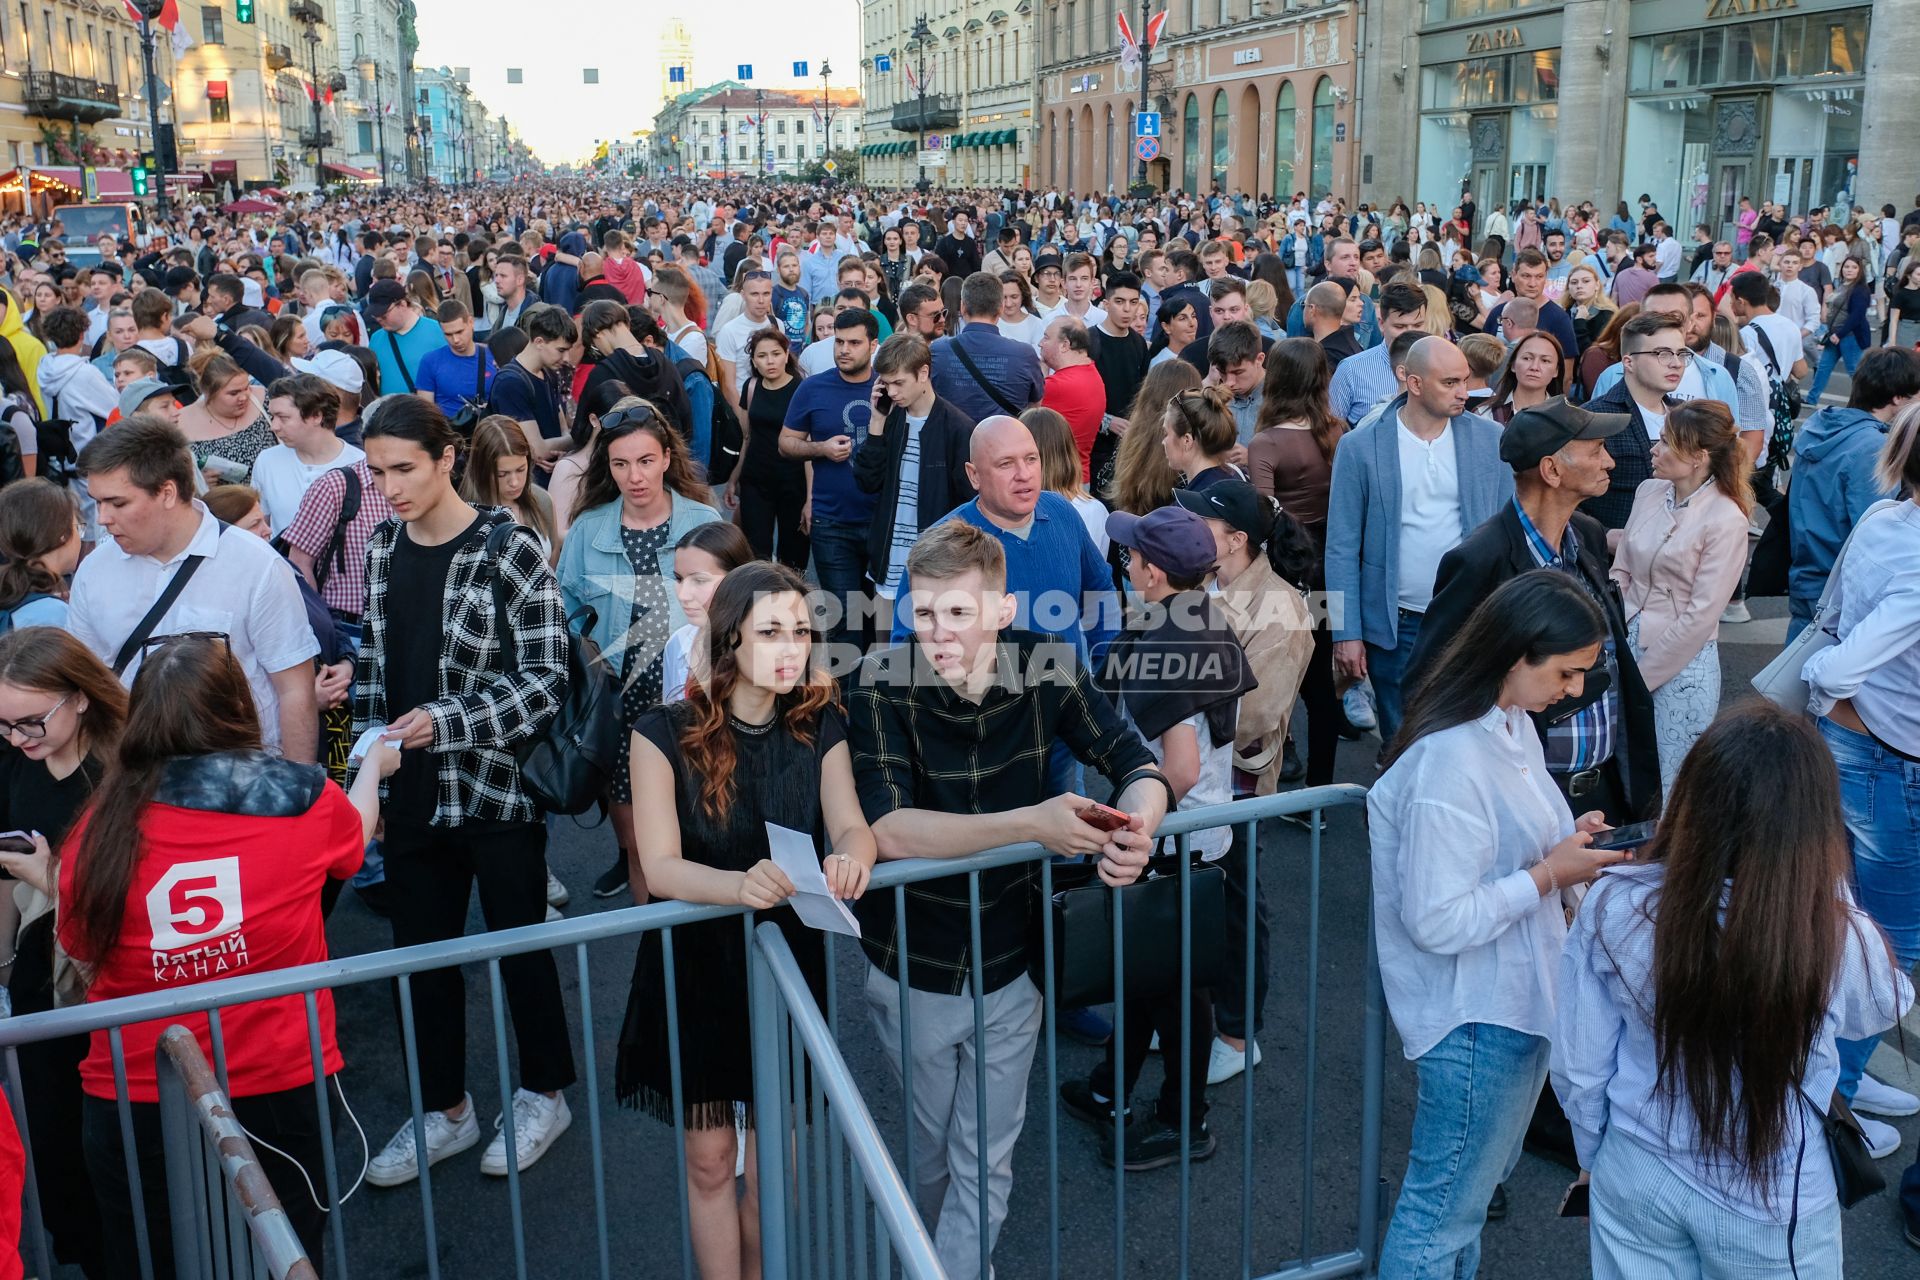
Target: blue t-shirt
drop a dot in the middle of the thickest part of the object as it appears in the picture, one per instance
(451, 378)
(790, 313)
(827, 405)
(413, 346)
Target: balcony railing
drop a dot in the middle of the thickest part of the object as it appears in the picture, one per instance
(279, 56)
(306, 12)
(318, 141)
(942, 112)
(58, 97)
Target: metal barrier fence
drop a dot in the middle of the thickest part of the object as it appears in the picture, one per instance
(227, 1222)
(823, 1200)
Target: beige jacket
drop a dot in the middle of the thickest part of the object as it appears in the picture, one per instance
(1270, 619)
(1677, 567)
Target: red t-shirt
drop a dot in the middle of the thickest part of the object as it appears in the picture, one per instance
(13, 1185)
(1077, 394)
(216, 895)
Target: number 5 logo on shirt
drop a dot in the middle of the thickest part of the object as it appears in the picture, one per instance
(194, 901)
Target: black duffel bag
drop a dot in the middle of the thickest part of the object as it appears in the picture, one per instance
(1082, 910)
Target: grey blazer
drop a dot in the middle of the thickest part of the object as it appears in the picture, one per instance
(1363, 517)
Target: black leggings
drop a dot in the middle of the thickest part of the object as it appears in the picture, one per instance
(767, 509)
(290, 1120)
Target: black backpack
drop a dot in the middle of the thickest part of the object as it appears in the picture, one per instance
(724, 427)
(334, 554)
(176, 376)
(565, 766)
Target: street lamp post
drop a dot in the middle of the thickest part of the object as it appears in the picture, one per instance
(922, 32)
(1146, 16)
(370, 70)
(310, 17)
(149, 10)
(826, 109)
(723, 135)
(760, 128)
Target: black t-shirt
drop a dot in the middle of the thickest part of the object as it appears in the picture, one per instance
(766, 414)
(34, 800)
(1906, 302)
(1122, 363)
(1340, 344)
(412, 672)
(526, 397)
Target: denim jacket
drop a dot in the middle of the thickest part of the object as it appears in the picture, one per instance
(1316, 249)
(594, 570)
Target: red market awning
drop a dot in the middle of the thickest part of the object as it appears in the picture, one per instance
(49, 181)
(113, 184)
(348, 171)
(71, 176)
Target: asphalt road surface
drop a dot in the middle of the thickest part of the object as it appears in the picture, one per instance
(384, 1228)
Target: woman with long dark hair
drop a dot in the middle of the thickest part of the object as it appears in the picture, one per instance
(1290, 460)
(1472, 846)
(640, 496)
(1143, 479)
(499, 473)
(1532, 376)
(1848, 333)
(1694, 1046)
(40, 548)
(1269, 267)
(20, 409)
(769, 491)
(759, 740)
(189, 796)
(61, 711)
(564, 485)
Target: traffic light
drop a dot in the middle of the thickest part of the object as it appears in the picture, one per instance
(243, 10)
(143, 174)
(139, 183)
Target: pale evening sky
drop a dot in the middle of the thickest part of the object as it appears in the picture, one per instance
(560, 117)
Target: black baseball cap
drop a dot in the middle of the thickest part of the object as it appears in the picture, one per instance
(1547, 428)
(1237, 503)
(382, 296)
(178, 278)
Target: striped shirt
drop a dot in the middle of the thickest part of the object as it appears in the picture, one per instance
(906, 510)
(1585, 739)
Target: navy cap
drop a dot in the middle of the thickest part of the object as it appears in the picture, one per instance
(1174, 538)
(382, 296)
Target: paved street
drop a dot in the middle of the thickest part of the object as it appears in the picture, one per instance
(475, 1240)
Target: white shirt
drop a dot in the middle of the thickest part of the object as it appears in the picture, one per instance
(1213, 786)
(730, 344)
(816, 357)
(1096, 315)
(1666, 258)
(1799, 305)
(244, 591)
(694, 342)
(676, 662)
(1877, 662)
(1093, 514)
(282, 480)
(1028, 328)
(906, 510)
(1462, 931)
(1784, 334)
(1429, 511)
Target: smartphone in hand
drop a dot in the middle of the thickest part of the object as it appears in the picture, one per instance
(1577, 1203)
(1104, 818)
(1631, 836)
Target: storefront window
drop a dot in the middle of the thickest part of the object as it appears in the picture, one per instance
(1321, 169)
(1530, 153)
(1453, 10)
(1795, 48)
(1283, 143)
(1487, 82)
(1446, 159)
(1190, 146)
(1220, 139)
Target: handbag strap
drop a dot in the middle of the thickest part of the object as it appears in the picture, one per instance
(993, 393)
(143, 630)
(1833, 574)
(400, 360)
(496, 548)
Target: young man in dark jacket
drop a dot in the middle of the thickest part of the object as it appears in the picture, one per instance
(913, 456)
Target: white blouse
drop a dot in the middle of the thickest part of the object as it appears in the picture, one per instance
(1463, 933)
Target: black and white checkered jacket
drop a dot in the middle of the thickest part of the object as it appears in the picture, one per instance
(482, 711)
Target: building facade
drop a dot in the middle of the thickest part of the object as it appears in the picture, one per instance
(1254, 96)
(712, 131)
(980, 59)
(1694, 103)
(73, 100)
(251, 100)
(451, 123)
(374, 118)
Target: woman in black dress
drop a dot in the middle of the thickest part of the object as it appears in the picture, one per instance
(770, 491)
(760, 740)
(60, 715)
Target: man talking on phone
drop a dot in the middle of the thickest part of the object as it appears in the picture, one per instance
(951, 742)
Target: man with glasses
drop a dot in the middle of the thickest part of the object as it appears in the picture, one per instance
(165, 546)
(1714, 271)
(1654, 357)
(922, 313)
(1705, 377)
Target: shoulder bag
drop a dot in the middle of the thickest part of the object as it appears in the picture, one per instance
(400, 360)
(1855, 1173)
(993, 393)
(1780, 681)
(143, 630)
(565, 766)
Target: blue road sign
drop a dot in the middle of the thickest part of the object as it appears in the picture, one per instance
(1146, 124)
(883, 62)
(800, 70)
(744, 71)
(676, 75)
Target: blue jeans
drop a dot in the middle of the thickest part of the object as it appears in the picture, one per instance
(1880, 795)
(1649, 1223)
(1386, 668)
(840, 562)
(1478, 1088)
(1830, 355)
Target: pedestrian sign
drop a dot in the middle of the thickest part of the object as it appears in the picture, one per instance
(1147, 148)
(1146, 124)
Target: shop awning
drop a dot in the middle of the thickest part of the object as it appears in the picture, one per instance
(113, 184)
(50, 181)
(348, 171)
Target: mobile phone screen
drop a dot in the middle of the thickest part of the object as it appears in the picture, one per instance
(1631, 836)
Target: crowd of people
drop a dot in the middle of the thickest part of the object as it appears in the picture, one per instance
(881, 516)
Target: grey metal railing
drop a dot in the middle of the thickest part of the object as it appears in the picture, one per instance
(810, 1031)
(227, 1222)
(860, 1204)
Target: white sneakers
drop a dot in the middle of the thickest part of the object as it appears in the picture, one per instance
(397, 1162)
(1883, 1099)
(1882, 1138)
(557, 895)
(1226, 1062)
(1359, 708)
(537, 1121)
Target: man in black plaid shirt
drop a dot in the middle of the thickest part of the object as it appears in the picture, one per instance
(951, 738)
